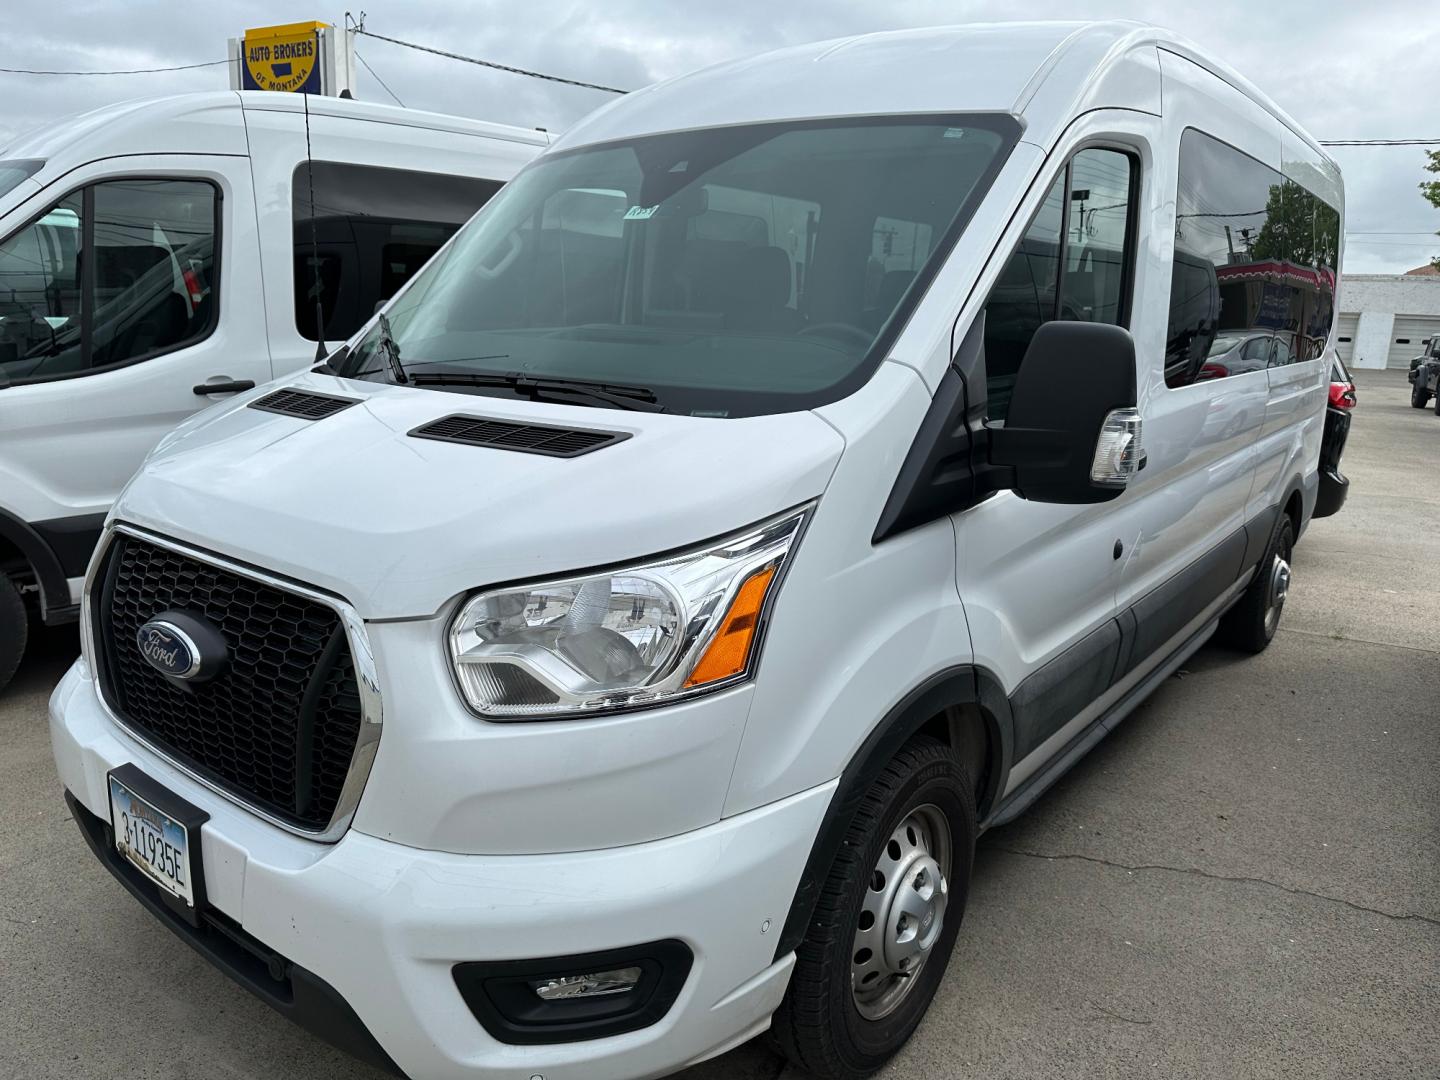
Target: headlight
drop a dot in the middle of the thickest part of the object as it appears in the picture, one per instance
(658, 631)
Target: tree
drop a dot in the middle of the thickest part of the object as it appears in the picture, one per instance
(1298, 227)
(1431, 189)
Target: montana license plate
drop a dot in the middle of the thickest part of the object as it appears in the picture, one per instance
(153, 841)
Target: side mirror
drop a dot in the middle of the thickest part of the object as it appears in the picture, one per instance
(1072, 433)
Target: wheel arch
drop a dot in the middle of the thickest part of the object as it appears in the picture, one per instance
(21, 543)
(964, 707)
(1294, 506)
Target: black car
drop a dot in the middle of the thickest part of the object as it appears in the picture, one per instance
(1425, 376)
(1334, 485)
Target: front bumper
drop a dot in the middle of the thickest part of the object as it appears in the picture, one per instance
(384, 924)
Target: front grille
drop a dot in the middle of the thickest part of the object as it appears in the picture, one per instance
(279, 725)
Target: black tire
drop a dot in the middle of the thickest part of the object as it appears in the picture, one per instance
(1248, 625)
(1437, 404)
(1419, 396)
(819, 1026)
(14, 628)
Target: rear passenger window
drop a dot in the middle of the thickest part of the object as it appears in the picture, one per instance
(115, 273)
(1253, 281)
(373, 228)
(1074, 263)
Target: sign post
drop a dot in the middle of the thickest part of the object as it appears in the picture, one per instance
(297, 58)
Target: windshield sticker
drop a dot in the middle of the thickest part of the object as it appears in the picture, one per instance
(954, 133)
(641, 213)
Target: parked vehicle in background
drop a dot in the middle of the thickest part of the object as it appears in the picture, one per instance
(1334, 485)
(158, 256)
(1235, 354)
(1424, 376)
(618, 648)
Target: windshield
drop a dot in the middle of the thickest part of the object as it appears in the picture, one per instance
(12, 172)
(728, 271)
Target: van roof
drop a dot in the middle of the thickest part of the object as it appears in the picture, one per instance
(212, 122)
(1039, 71)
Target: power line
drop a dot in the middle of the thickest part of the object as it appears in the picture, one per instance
(381, 81)
(359, 28)
(126, 71)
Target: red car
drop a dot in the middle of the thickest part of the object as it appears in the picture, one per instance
(1334, 486)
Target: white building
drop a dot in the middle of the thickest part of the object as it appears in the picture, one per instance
(1384, 318)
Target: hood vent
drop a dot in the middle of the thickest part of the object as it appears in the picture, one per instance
(305, 404)
(526, 438)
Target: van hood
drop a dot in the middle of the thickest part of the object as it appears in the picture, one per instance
(399, 525)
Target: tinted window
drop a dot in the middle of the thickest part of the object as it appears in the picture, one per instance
(1310, 251)
(1074, 263)
(40, 294)
(373, 229)
(1022, 299)
(732, 271)
(119, 272)
(154, 260)
(1254, 267)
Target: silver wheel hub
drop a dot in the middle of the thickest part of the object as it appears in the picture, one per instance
(1279, 581)
(1276, 590)
(903, 913)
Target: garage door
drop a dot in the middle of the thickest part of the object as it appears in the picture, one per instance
(1406, 340)
(1345, 337)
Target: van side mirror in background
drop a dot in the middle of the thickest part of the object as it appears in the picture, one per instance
(1072, 433)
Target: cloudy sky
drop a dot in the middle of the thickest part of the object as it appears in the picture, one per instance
(1344, 70)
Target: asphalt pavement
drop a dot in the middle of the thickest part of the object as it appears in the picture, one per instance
(1242, 882)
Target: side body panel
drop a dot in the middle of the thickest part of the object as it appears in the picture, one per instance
(856, 625)
(1039, 580)
(1183, 511)
(67, 446)
(1295, 415)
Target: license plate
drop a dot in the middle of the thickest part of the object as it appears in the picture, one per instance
(152, 840)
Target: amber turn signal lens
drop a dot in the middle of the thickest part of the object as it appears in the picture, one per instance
(729, 649)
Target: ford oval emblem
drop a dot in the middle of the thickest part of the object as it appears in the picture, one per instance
(183, 645)
(168, 649)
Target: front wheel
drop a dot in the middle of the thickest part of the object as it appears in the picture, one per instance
(1419, 396)
(886, 919)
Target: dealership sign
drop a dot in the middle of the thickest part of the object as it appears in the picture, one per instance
(297, 58)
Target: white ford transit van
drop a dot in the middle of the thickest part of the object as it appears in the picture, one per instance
(616, 652)
(159, 255)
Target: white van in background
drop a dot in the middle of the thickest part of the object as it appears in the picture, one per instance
(156, 256)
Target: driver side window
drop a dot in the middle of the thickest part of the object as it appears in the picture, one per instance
(1075, 262)
(118, 272)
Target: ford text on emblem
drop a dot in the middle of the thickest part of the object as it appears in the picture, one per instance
(183, 646)
(168, 649)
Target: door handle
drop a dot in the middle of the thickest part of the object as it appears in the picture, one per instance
(223, 386)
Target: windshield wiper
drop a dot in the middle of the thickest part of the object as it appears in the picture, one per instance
(391, 350)
(620, 396)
